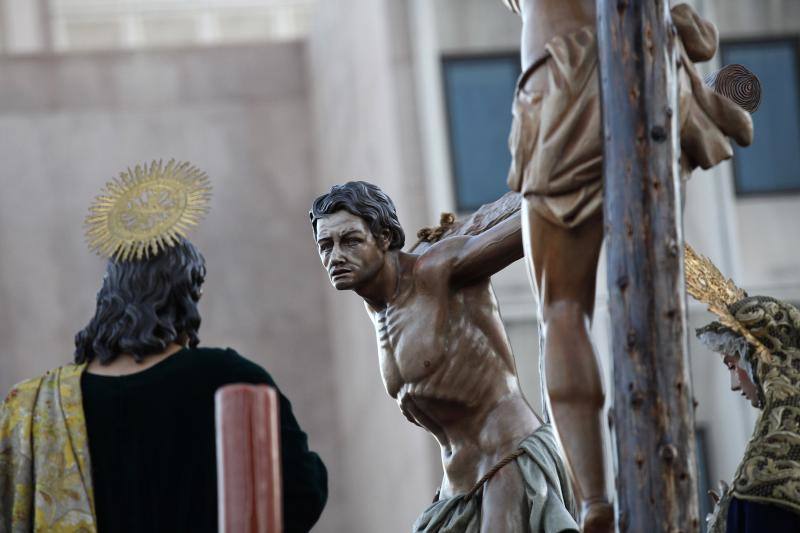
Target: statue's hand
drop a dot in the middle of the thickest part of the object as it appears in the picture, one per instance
(598, 517)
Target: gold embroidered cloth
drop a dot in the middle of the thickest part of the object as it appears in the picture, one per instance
(45, 473)
(770, 470)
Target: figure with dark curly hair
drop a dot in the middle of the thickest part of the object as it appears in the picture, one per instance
(445, 358)
(123, 440)
(758, 338)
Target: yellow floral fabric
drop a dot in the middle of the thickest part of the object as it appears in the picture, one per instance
(45, 473)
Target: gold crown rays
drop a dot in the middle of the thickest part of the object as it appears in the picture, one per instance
(705, 283)
(147, 210)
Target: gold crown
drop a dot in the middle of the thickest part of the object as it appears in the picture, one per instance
(705, 283)
(147, 210)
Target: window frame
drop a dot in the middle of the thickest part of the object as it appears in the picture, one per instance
(452, 57)
(793, 40)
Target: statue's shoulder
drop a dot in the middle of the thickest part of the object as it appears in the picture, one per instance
(439, 259)
(25, 392)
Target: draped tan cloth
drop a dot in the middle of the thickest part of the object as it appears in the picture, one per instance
(556, 135)
(548, 495)
(555, 142)
(45, 473)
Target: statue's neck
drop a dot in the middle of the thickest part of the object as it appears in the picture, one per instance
(383, 287)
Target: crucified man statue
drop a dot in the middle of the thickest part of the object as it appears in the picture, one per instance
(445, 357)
(557, 165)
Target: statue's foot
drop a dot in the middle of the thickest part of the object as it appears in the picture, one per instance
(598, 517)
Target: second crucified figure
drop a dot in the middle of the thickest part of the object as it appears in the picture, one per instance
(556, 145)
(445, 357)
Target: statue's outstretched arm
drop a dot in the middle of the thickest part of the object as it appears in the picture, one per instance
(482, 255)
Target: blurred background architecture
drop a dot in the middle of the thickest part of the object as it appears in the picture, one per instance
(279, 99)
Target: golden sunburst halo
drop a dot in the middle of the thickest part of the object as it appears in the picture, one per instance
(706, 284)
(147, 209)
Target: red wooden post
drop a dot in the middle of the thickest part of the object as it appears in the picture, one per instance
(248, 459)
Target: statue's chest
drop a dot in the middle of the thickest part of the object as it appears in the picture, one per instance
(411, 341)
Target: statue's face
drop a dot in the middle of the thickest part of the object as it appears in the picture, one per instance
(740, 381)
(351, 255)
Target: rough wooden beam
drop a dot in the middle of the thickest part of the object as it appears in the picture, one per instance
(653, 414)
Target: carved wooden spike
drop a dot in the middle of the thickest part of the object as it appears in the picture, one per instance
(248, 459)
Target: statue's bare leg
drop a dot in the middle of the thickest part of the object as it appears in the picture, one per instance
(563, 267)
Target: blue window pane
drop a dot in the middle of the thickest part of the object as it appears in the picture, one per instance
(772, 163)
(479, 93)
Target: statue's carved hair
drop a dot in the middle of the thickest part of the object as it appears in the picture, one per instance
(144, 305)
(363, 200)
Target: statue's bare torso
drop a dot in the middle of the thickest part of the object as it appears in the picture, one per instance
(444, 355)
(446, 359)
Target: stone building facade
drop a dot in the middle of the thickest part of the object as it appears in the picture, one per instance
(355, 92)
